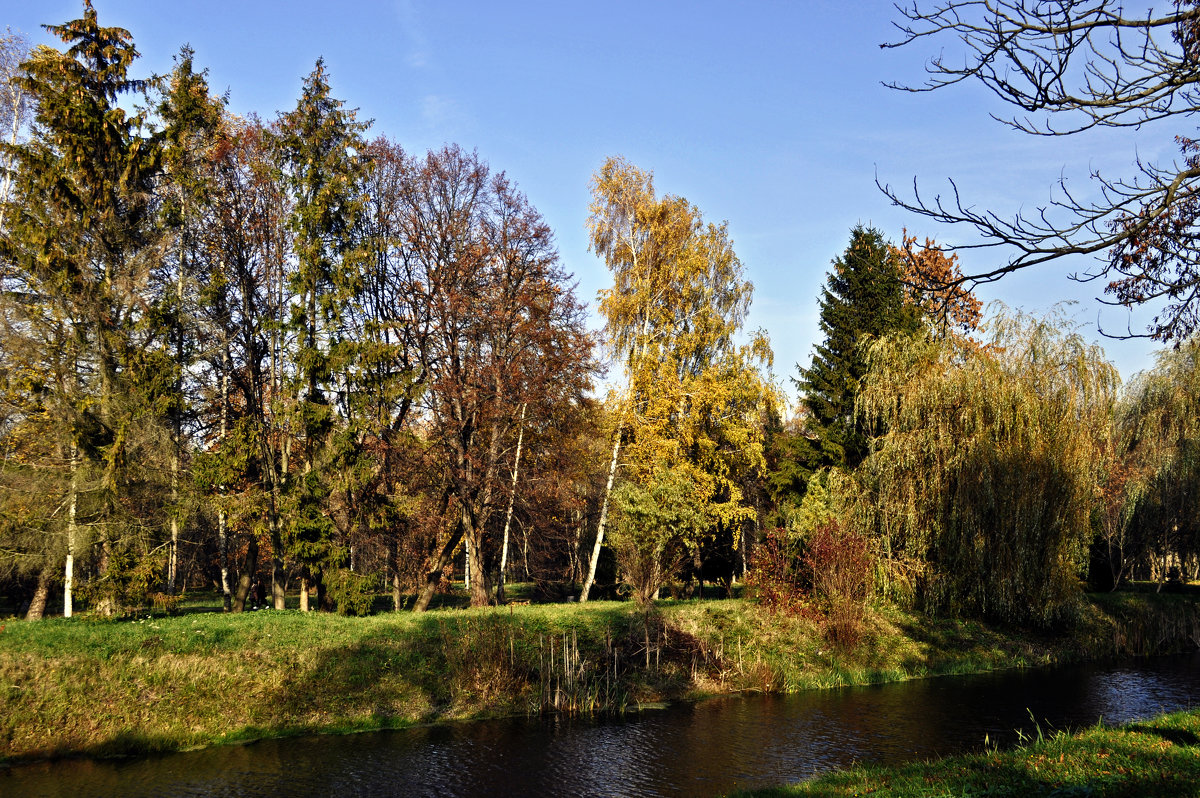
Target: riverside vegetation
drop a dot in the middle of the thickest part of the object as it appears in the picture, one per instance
(101, 687)
(1153, 757)
(259, 356)
(1158, 757)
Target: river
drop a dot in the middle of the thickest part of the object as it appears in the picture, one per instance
(701, 749)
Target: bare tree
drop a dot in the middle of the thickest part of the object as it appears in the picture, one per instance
(14, 103)
(1068, 66)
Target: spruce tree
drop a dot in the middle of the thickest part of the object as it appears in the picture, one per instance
(864, 296)
(320, 150)
(80, 249)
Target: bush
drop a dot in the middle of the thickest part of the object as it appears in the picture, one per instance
(353, 593)
(773, 577)
(840, 563)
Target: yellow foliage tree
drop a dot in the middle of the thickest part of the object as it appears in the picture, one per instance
(692, 395)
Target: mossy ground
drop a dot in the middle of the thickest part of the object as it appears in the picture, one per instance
(155, 683)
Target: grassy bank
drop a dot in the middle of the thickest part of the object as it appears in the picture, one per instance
(1159, 757)
(102, 687)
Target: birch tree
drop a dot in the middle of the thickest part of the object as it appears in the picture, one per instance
(691, 395)
(14, 104)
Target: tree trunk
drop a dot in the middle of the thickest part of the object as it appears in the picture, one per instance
(434, 574)
(277, 583)
(37, 605)
(173, 561)
(512, 500)
(72, 535)
(480, 590)
(304, 593)
(222, 516)
(394, 567)
(223, 555)
(246, 579)
(277, 575)
(612, 472)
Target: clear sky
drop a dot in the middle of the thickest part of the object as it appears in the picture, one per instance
(770, 115)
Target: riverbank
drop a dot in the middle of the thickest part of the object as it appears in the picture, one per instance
(1157, 757)
(110, 688)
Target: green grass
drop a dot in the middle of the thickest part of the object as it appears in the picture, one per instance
(1159, 757)
(109, 687)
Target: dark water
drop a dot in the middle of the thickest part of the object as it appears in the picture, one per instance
(700, 749)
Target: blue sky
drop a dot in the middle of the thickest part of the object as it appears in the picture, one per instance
(769, 115)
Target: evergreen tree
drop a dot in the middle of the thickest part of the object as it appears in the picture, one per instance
(864, 296)
(321, 156)
(80, 245)
(191, 119)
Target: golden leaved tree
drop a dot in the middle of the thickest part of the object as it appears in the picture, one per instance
(692, 395)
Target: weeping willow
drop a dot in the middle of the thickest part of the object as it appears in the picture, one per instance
(982, 480)
(1161, 422)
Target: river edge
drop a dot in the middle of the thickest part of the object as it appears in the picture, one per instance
(103, 688)
(1155, 757)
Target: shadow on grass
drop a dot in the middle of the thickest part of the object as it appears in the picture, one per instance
(1180, 737)
(497, 661)
(452, 665)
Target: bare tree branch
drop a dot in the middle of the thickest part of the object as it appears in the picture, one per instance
(1068, 66)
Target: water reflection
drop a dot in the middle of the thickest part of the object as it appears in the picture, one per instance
(692, 750)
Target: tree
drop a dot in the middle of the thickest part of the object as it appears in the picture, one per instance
(693, 397)
(320, 150)
(81, 244)
(981, 491)
(191, 119)
(657, 526)
(1161, 422)
(241, 308)
(14, 103)
(864, 296)
(500, 340)
(1068, 67)
(933, 284)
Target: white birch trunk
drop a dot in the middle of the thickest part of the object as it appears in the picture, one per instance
(222, 516)
(6, 185)
(612, 472)
(72, 503)
(512, 500)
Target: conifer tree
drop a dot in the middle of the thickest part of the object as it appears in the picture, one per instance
(864, 296)
(80, 246)
(320, 148)
(191, 119)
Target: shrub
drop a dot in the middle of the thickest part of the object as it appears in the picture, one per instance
(839, 563)
(353, 593)
(773, 577)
